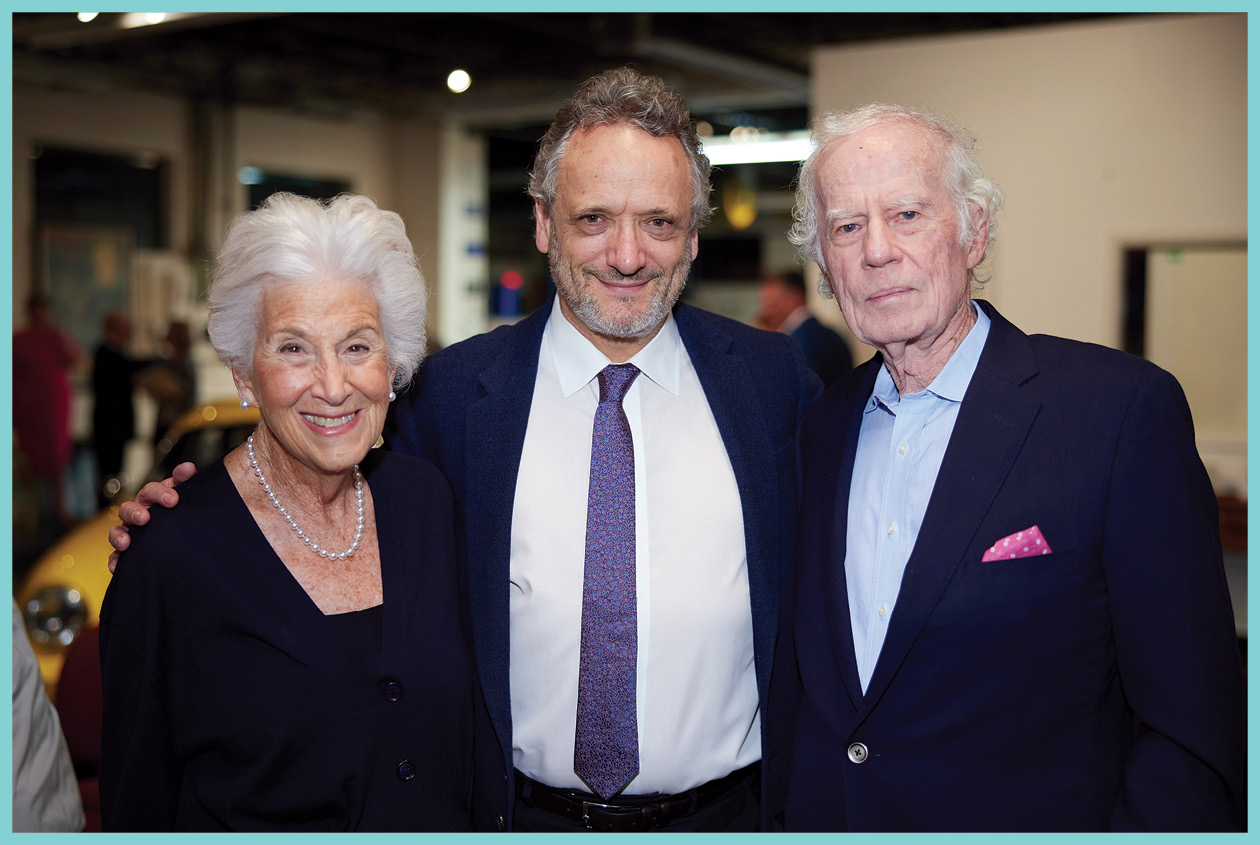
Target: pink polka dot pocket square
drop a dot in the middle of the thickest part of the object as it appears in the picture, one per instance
(1026, 543)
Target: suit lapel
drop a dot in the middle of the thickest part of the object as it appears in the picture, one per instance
(732, 397)
(832, 481)
(991, 428)
(494, 432)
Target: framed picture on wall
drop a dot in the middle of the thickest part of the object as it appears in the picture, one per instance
(85, 270)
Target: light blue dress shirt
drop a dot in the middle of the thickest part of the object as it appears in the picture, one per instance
(900, 447)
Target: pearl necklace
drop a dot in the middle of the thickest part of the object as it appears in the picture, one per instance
(315, 547)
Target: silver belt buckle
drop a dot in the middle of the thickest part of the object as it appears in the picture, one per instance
(586, 811)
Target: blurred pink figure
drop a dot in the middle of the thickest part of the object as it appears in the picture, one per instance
(42, 356)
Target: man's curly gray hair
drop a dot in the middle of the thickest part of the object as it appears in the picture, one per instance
(623, 95)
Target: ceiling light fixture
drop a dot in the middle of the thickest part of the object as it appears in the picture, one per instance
(458, 81)
(132, 20)
(758, 147)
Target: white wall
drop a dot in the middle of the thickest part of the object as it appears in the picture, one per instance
(413, 150)
(354, 150)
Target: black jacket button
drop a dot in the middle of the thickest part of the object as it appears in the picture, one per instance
(406, 771)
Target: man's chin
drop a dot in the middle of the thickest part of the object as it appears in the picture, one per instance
(623, 329)
(624, 323)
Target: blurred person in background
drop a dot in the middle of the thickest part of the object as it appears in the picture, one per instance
(172, 379)
(289, 649)
(113, 411)
(43, 355)
(783, 309)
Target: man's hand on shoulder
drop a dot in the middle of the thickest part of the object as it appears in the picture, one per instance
(137, 512)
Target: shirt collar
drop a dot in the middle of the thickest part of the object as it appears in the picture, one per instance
(952, 381)
(577, 361)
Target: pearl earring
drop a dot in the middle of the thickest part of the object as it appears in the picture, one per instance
(392, 396)
(244, 404)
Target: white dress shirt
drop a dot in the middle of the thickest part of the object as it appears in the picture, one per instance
(697, 690)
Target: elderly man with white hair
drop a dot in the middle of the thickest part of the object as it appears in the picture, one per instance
(1011, 612)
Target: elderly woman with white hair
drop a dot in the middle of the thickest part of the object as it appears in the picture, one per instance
(288, 649)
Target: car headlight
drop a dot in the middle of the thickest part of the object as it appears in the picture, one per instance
(55, 616)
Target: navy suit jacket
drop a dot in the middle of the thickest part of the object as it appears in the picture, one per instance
(826, 353)
(1097, 687)
(468, 412)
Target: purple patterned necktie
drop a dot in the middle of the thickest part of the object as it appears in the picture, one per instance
(606, 747)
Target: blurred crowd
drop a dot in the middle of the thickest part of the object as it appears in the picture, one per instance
(60, 478)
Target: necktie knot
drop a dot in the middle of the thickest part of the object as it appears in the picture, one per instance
(615, 381)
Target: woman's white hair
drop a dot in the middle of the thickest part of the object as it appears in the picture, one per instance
(967, 185)
(297, 239)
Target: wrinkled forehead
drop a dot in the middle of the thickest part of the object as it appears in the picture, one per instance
(315, 298)
(896, 156)
(614, 166)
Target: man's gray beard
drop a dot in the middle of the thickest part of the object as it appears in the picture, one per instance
(582, 301)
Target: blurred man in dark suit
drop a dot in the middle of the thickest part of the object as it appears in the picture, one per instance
(113, 411)
(783, 309)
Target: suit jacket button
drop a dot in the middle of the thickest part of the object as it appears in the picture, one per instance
(858, 752)
(406, 771)
(393, 691)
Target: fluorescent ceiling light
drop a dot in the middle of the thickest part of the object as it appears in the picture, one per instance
(768, 146)
(132, 20)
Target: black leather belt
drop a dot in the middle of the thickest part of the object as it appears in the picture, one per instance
(631, 813)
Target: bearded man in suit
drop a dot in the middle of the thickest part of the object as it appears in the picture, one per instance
(621, 189)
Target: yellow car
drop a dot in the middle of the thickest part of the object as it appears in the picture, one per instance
(62, 594)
